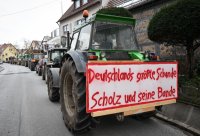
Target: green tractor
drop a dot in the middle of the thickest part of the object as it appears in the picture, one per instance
(19, 58)
(26, 57)
(102, 41)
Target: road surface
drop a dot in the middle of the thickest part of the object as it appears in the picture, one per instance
(25, 110)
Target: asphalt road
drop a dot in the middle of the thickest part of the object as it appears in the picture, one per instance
(25, 110)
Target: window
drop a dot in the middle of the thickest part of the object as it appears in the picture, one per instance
(73, 44)
(57, 55)
(111, 36)
(65, 29)
(78, 22)
(37, 56)
(85, 1)
(77, 4)
(84, 38)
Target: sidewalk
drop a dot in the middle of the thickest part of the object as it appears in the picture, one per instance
(183, 115)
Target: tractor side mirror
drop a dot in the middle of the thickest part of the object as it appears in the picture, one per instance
(63, 41)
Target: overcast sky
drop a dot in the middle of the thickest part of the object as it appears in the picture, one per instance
(29, 19)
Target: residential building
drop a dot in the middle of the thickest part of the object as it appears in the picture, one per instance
(35, 45)
(73, 16)
(55, 39)
(7, 51)
(44, 42)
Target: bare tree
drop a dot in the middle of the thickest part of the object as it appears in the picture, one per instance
(27, 43)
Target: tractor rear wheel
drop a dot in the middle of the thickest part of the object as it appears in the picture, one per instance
(43, 72)
(32, 67)
(39, 72)
(53, 93)
(73, 99)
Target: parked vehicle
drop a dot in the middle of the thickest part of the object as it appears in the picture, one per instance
(1, 62)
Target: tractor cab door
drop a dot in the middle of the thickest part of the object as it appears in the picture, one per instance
(81, 38)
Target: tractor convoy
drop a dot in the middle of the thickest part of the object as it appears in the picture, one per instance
(100, 70)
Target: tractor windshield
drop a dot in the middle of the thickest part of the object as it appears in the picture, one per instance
(113, 36)
(57, 54)
(37, 56)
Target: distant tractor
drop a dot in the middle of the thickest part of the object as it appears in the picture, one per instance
(51, 72)
(34, 58)
(19, 59)
(26, 57)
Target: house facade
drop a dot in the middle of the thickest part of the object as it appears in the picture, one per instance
(73, 16)
(44, 43)
(7, 51)
(35, 45)
(55, 39)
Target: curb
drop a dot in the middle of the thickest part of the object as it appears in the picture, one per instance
(178, 124)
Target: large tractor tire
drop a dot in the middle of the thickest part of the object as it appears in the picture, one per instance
(32, 66)
(26, 64)
(73, 99)
(46, 75)
(43, 72)
(39, 72)
(53, 93)
(29, 65)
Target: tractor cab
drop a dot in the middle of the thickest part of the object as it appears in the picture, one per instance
(54, 56)
(107, 37)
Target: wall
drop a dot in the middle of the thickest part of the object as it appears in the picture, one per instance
(143, 15)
